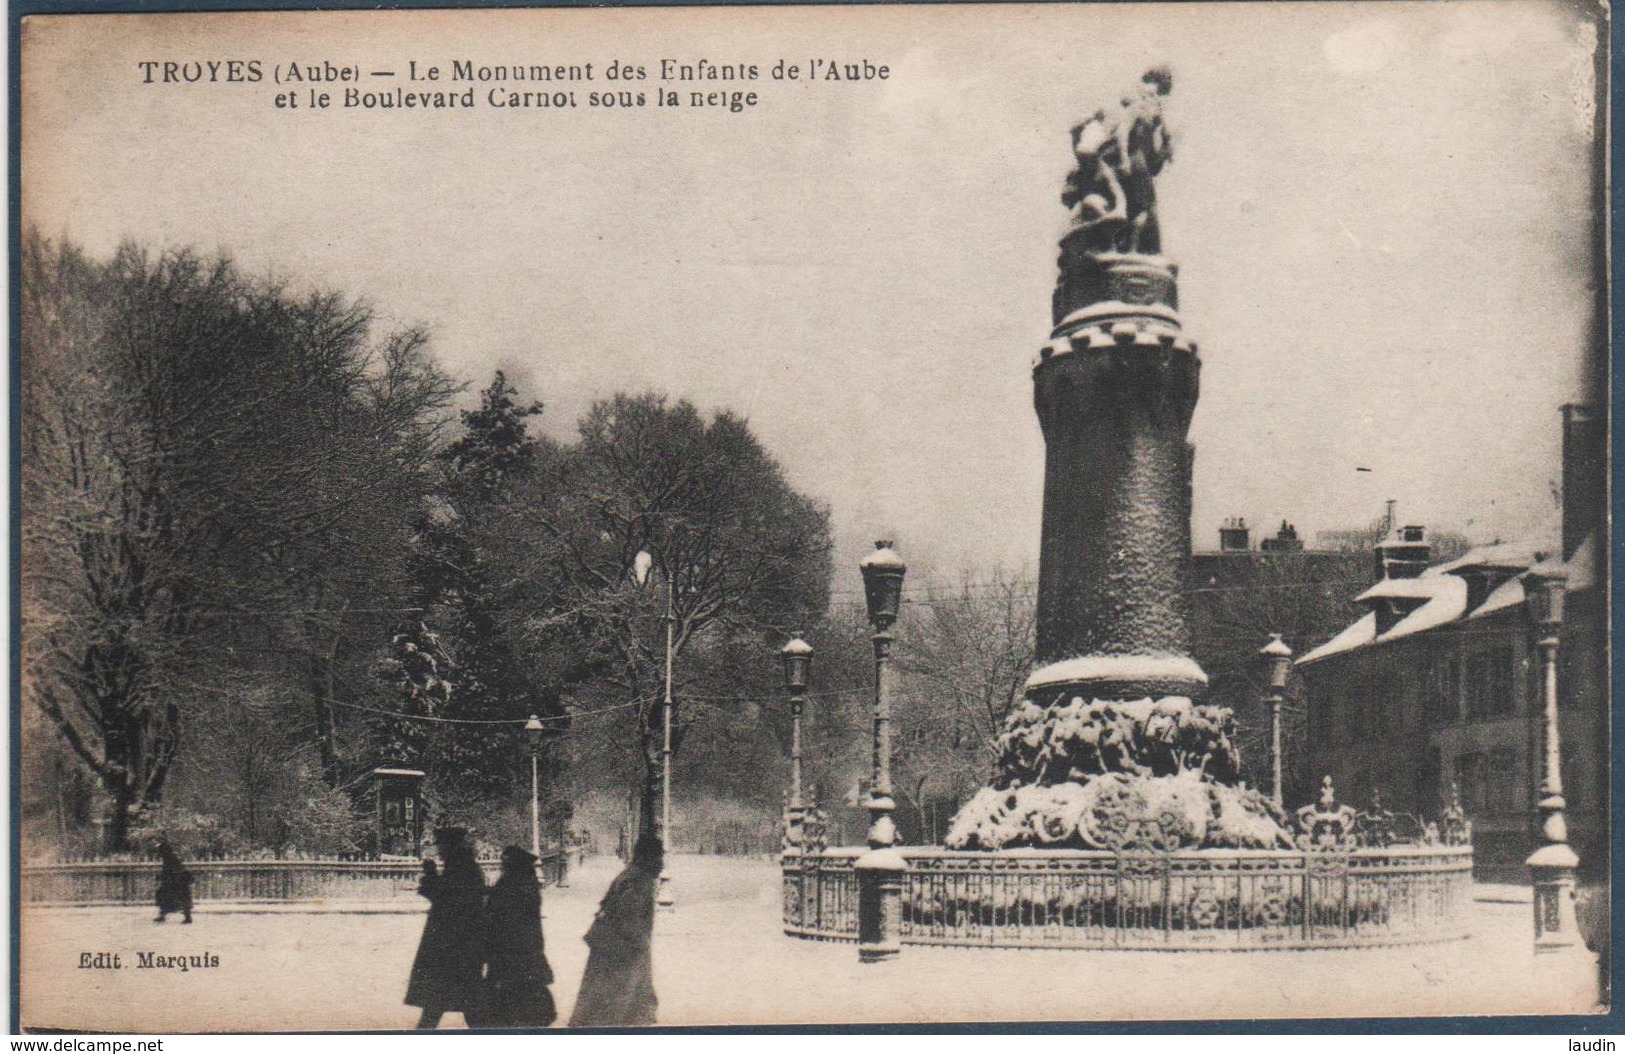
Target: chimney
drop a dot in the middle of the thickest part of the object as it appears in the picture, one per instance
(1233, 536)
(1404, 554)
(1286, 540)
(1584, 479)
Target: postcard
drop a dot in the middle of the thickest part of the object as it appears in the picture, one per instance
(597, 517)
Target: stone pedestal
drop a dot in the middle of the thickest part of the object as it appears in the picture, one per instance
(880, 904)
(1552, 874)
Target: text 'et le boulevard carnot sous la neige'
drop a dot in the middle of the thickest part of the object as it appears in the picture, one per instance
(429, 82)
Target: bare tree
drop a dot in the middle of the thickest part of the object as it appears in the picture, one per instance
(1304, 596)
(965, 654)
(209, 463)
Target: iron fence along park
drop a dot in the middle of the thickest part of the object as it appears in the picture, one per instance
(1217, 899)
(94, 883)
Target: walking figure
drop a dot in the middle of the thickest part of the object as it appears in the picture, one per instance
(618, 986)
(446, 972)
(174, 886)
(516, 971)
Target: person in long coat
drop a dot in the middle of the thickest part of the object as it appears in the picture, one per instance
(446, 972)
(618, 986)
(174, 886)
(516, 969)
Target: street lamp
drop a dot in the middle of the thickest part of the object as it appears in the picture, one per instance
(880, 871)
(1278, 661)
(533, 739)
(640, 570)
(883, 572)
(1552, 867)
(797, 657)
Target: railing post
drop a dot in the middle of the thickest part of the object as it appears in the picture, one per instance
(880, 904)
(1307, 899)
(793, 879)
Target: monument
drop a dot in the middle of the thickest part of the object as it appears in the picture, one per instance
(1117, 816)
(1110, 744)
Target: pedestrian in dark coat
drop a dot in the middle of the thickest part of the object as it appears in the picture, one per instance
(618, 987)
(516, 970)
(174, 886)
(446, 972)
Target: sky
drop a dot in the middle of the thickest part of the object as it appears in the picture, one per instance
(1381, 213)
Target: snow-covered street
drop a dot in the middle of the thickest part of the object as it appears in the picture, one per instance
(721, 958)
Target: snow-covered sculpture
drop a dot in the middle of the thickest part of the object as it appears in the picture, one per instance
(1103, 774)
(1111, 193)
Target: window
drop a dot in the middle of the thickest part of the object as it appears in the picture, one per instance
(1340, 717)
(1506, 790)
(1441, 690)
(1374, 708)
(1392, 709)
(1427, 784)
(1468, 772)
(1490, 684)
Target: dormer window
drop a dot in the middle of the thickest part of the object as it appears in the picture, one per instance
(1391, 611)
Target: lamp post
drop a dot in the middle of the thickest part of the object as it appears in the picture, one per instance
(1552, 866)
(880, 871)
(640, 569)
(1278, 660)
(533, 740)
(797, 657)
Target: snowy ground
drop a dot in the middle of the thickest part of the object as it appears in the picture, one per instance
(721, 958)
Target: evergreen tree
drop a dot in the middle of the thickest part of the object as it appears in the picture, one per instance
(459, 665)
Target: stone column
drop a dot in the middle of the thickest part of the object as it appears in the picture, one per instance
(1115, 388)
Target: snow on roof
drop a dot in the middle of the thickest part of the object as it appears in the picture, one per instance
(883, 556)
(1516, 556)
(1361, 633)
(1402, 589)
(1443, 592)
(1447, 604)
(1444, 600)
(1506, 595)
(1583, 565)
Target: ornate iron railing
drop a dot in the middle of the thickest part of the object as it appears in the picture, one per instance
(102, 882)
(1186, 899)
(821, 894)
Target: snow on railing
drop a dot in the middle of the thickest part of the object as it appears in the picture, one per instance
(1210, 898)
(252, 879)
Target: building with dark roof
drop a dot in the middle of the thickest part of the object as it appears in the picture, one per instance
(1437, 686)
(1239, 594)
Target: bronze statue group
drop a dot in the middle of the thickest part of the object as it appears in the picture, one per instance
(482, 954)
